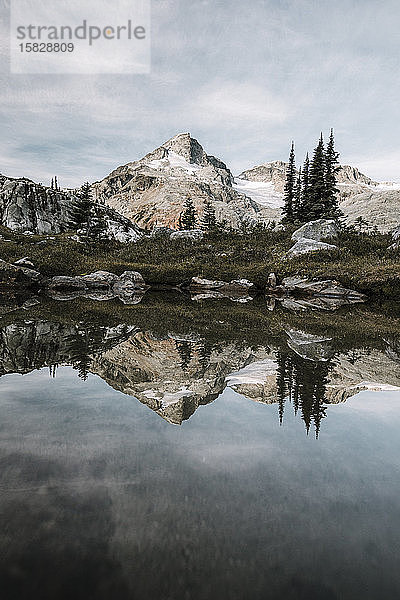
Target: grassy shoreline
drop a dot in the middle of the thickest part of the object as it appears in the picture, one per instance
(361, 261)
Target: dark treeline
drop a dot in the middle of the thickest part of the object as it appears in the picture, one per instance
(311, 192)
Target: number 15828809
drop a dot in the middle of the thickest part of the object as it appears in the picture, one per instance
(46, 47)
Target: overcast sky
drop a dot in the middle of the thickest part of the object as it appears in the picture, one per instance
(244, 77)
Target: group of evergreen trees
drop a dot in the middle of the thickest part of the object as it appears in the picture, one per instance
(188, 219)
(86, 216)
(54, 184)
(311, 192)
(303, 383)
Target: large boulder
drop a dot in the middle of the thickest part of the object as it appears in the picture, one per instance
(161, 232)
(316, 230)
(236, 290)
(132, 279)
(17, 274)
(130, 287)
(66, 283)
(305, 246)
(308, 346)
(316, 287)
(238, 285)
(25, 262)
(195, 235)
(100, 279)
(206, 284)
(100, 285)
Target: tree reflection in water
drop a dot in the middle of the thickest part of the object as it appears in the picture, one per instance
(303, 383)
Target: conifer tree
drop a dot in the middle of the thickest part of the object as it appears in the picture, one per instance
(331, 169)
(185, 352)
(52, 183)
(208, 221)
(305, 191)
(97, 226)
(188, 216)
(297, 198)
(317, 204)
(80, 212)
(290, 185)
(56, 183)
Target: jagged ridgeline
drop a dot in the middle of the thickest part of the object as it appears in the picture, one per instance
(152, 192)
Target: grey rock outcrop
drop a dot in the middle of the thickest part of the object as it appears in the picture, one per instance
(194, 235)
(237, 290)
(305, 246)
(317, 230)
(18, 275)
(379, 208)
(100, 285)
(308, 346)
(318, 287)
(64, 282)
(313, 294)
(30, 208)
(25, 205)
(99, 279)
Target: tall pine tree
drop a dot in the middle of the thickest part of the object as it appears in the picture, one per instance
(317, 204)
(187, 219)
(289, 192)
(297, 198)
(331, 169)
(97, 225)
(80, 211)
(305, 191)
(208, 221)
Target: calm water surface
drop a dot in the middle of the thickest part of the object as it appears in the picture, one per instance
(137, 463)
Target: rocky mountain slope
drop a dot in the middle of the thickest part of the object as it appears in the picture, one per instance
(151, 191)
(360, 196)
(27, 206)
(172, 376)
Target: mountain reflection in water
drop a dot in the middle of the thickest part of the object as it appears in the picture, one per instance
(174, 373)
(101, 498)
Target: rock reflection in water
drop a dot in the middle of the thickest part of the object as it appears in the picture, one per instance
(175, 374)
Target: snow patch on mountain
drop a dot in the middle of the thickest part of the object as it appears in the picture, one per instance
(264, 193)
(175, 161)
